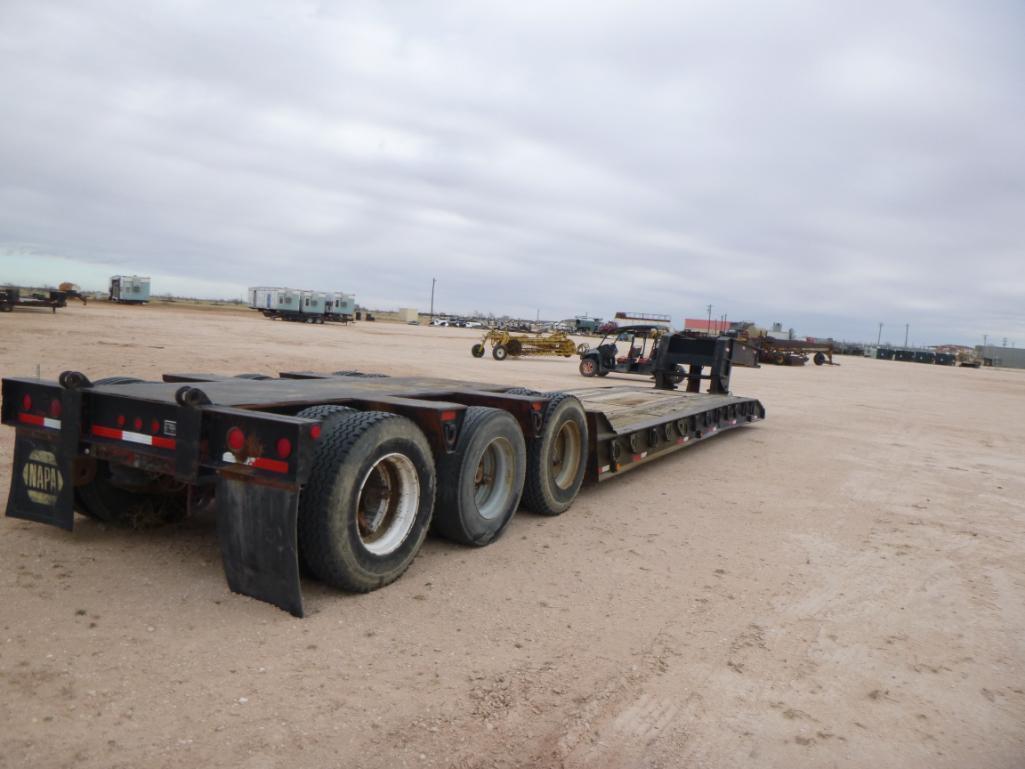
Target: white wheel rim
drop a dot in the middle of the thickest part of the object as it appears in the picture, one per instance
(493, 479)
(565, 456)
(387, 503)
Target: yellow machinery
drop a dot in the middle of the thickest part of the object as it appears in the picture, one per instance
(503, 344)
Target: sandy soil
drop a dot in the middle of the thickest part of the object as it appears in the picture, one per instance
(842, 585)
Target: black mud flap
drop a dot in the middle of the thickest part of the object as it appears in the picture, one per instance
(256, 526)
(42, 484)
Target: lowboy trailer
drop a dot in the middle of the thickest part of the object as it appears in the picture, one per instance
(343, 472)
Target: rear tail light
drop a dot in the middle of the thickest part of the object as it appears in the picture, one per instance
(26, 402)
(236, 439)
(154, 426)
(284, 447)
(55, 408)
(315, 432)
(137, 423)
(121, 420)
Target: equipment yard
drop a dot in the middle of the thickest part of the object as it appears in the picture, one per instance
(841, 585)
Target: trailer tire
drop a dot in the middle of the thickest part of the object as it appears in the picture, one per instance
(557, 458)
(477, 351)
(819, 358)
(480, 483)
(521, 391)
(102, 500)
(360, 373)
(499, 352)
(324, 412)
(118, 380)
(367, 463)
(589, 367)
(515, 347)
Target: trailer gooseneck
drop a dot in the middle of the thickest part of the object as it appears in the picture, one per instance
(346, 472)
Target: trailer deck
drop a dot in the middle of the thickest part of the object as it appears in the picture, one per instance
(274, 456)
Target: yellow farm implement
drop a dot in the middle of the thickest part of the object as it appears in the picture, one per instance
(503, 344)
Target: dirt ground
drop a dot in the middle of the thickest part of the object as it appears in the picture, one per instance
(842, 585)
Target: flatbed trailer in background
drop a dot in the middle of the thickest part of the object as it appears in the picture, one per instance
(49, 298)
(344, 471)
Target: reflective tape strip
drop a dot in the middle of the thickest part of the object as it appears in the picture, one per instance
(40, 421)
(131, 437)
(260, 463)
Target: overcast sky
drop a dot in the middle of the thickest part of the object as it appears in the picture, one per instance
(830, 165)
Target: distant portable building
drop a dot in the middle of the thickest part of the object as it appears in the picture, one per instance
(129, 289)
(302, 305)
(312, 305)
(408, 314)
(1002, 357)
(272, 300)
(714, 326)
(341, 306)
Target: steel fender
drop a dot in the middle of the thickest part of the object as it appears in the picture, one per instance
(256, 526)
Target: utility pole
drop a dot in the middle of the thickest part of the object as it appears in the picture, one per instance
(708, 328)
(879, 339)
(985, 337)
(907, 327)
(433, 281)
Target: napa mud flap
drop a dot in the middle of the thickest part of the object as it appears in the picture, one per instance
(42, 487)
(42, 479)
(256, 526)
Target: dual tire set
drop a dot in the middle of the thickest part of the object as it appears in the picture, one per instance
(376, 489)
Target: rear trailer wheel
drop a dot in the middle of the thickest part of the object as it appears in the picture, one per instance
(588, 367)
(477, 351)
(499, 352)
(819, 358)
(480, 483)
(557, 459)
(367, 505)
(126, 497)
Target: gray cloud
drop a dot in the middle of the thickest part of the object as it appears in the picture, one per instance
(827, 165)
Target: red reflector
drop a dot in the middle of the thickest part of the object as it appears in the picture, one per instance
(273, 465)
(536, 406)
(154, 426)
(448, 416)
(284, 447)
(55, 408)
(315, 432)
(236, 439)
(121, 420)
(137, 423)
(26, 402)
